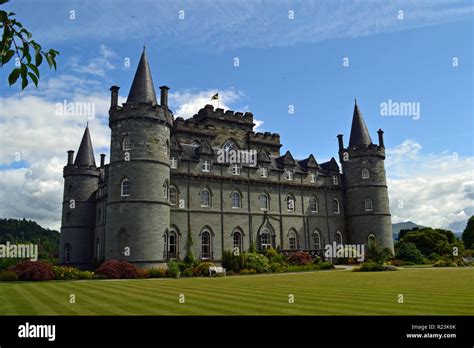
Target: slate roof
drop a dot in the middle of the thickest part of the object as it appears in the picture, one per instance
(85, 154)
(142, 90)
(359, 133)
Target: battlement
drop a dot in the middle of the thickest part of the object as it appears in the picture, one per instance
(140, 110)
(208, 112)
(369, 150)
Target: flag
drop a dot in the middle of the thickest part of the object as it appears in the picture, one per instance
(215, 96)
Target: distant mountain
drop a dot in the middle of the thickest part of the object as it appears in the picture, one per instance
(407, 225)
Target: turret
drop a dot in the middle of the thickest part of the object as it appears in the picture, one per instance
(365, 185)
(138, 211)
(81, 179)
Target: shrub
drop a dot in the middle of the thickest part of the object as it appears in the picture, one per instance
(299, 258)
(188, 272)
(277, 267)
(8, 276)
(257, 262)
(443, 263)
(202, 269)
(246, 271)
(71, 273)
(408, 251)
(34, 270)
(375, 252)
(370, 267)
(114, 269)
(156, 273)
(326, 265)
(232, 262)
(173, 269)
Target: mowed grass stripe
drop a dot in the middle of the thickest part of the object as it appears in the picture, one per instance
(16, 300)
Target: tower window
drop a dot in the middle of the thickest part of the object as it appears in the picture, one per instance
(166, 147)
(365, 173)
(264, 172)
(335, 180)
(290, 203)
(165, 190)
(236, 168)
(126, 144)
(335, 206)
(67, 253)
(264, 202)
(173, 195)
(206, 166)
(236, 201)
(205, 198)
(368, 204)
(289, 174)
(172, 245)
(313, 204)
(173, 163)
(125, 192)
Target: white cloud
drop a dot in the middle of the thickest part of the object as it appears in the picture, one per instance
(98, 65)
(430, 189)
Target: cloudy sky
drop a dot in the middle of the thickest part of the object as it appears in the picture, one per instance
(316, 56)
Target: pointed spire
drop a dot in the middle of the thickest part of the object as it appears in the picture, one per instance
(359, 133)
(85, 154)
(142, 89)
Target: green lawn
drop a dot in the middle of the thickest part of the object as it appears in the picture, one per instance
(425, 291)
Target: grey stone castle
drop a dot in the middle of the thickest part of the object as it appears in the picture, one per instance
(165, 183)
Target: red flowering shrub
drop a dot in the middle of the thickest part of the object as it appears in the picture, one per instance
(114, 269)
(299, 258)
(34, 270)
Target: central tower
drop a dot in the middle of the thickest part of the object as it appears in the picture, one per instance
(138, 211)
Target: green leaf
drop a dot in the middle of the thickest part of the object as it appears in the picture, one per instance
(49, 60)
(13, 76)
(28, 34)
(3, 16)
(24, 82)
(38, 58)
(34, 78)
(7, 56)
(34, 68)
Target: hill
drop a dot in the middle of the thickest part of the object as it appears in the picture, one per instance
(407, 225)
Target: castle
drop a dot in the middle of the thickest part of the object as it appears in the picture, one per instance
(165, 184)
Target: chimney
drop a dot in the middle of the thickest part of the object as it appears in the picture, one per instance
(380, 133)
(164, 95)
(341, 143)
(114, 96)
(70, 157)
(102, 160)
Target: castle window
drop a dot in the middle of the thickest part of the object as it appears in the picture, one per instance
(206, 166)
(228, 145)
(289, 174)
(292, 240)
(335, 206)
(317, 240)
(126, 144)
(206, 250)
(165, 190)
(264, 172)
(97, 251)
(173, 163)
(173, 195)
(365, 173)
(237, 241)
(368, 204)
(312, 177)
(166, 147)
(264, 202)
(67, 253)
(172, 245)
(339, 237)
(265, 240)
(290, 203)
(236, 201)
(371, 238)
(335, 180)
(236, 169)
(313, 204)
(205, 198)
(125, 192)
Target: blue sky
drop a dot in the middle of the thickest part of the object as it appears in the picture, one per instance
(282, 62)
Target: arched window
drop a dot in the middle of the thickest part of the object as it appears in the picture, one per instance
(265, 240)
(206, 248)
(335, 206)
(67, 253)
(290, 203)
(237, 241)
(313, 204)
(292, 240)
(317, 240)
(166, 147)
(371, 238)
(126, 144)
(236, 201)
(173, 195)
(172, 245)
(365, 173)
(369, 206)
(205, 198)
(125, 188)
(165, 190)
(228, 145)
(264, 204)
(338, 237)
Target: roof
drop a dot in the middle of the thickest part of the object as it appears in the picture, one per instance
(85, 154)
(359, 133)
(142, 90)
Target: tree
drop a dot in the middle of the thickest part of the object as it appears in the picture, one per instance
(407, 251)
(468, 234)
(429, 240)
(189, 257)
(376, 253)
(17, 41)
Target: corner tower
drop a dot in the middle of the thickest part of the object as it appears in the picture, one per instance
(81, 180)
(365, 185)
(138, 212)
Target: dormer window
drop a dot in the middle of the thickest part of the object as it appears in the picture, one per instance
(173, 163)
(236, 169)
(264, 172)
(289, 174)
(312, 177)
(335, 180)
(206, 166)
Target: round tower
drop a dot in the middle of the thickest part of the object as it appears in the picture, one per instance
(138, 211)
(365, 186)
(81, 180)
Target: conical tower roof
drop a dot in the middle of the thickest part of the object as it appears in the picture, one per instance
(142, 90)
(359, 133)
(85, 154)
